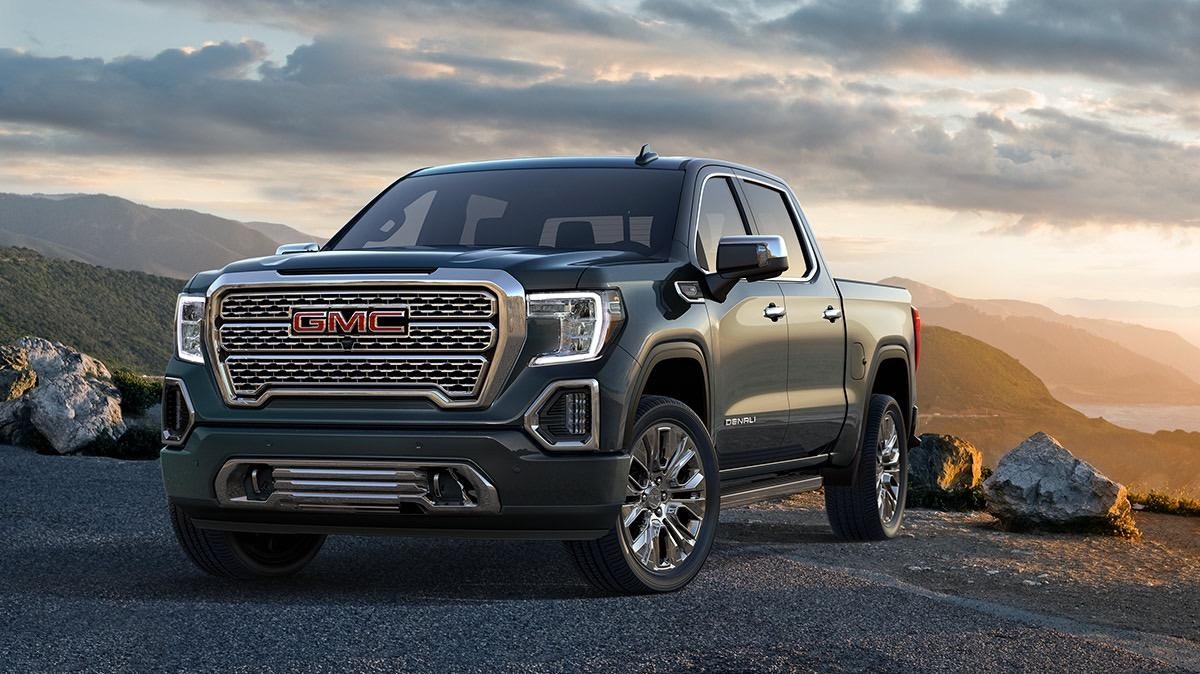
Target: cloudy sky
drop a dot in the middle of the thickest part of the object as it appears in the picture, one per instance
(1023, 148)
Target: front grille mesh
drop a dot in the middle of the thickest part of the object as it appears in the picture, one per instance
(253, 337)
(421, 304)
(451, 340)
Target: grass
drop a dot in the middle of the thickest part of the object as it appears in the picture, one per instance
(1161, 502)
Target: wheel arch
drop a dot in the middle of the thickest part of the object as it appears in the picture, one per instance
(890, 374)
(677, 369)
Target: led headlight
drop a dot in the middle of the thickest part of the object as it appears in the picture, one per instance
(585, 321)
(189, 324)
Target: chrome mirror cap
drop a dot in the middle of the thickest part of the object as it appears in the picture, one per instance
(289, 248)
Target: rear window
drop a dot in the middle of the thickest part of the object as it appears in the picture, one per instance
(563, 208)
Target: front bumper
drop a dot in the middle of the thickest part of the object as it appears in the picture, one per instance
(566, 496)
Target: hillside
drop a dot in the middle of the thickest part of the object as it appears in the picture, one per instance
(117, 233)
(121, 317)
(1079, 359)
(973, 390)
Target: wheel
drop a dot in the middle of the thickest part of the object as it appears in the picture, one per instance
(666, 526)
(244, 555)
(871, 507)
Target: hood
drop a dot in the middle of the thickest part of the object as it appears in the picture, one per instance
(534, 268)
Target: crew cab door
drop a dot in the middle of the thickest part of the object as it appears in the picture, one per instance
(749, 347)
(816, 333)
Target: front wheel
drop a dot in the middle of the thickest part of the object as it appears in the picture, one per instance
(871, 507)
(668, 520)
(243, 555)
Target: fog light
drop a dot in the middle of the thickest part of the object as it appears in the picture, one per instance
(564, 416)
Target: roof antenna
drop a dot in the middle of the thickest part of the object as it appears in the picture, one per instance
(645, 156)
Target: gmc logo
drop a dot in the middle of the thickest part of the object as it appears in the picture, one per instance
(392, 321)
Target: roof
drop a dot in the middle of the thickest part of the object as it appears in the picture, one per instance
(670, 163)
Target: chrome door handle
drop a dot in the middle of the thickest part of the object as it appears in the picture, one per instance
(774, 312)
(831, 314)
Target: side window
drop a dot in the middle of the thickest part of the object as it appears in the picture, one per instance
(773, 215)
(719, 216)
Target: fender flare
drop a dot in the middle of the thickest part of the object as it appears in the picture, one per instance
(844, 475)
(659, 353)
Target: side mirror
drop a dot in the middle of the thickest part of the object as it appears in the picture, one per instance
(754, 258)
(289, 248)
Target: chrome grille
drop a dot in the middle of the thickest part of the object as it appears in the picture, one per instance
(254, 337)
(453, 376)
(277, 305)
(446, 354)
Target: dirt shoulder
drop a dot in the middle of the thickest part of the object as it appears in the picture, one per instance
(1148, 586)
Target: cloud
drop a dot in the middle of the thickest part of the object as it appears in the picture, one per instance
(342, 98)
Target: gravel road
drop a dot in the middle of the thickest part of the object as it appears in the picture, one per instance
(91, 580)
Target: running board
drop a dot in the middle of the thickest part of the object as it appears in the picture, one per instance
(761, 490)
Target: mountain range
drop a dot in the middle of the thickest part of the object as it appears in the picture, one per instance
(118, 233)
(1081, 360)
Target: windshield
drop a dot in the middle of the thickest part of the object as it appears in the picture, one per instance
(630, 209)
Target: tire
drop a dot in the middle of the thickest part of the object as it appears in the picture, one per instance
(243, 555)
(856, 511)
(615, 563)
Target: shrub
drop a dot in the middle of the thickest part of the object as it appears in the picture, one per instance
(1162, 502)
(138, 392)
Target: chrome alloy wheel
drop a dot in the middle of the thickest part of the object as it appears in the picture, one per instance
(888, 469)
(664, 498)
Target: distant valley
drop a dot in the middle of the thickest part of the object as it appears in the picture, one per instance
(1082, 360)
(118, 233)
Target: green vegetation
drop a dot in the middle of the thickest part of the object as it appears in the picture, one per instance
(121, 317)
(1162, 502)
(138, 391)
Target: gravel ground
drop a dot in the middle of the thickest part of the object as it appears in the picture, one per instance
(91, 580)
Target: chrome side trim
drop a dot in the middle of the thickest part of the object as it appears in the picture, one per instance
(775, 466)
(511, 328)
(531, 416)
(760, 491)
(327, 484)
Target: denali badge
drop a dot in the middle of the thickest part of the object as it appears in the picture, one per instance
(349, 321)
(740, 421)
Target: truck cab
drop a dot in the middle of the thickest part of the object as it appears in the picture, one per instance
(601, 350)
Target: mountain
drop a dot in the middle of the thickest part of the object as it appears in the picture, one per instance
(118, 233)
(1182, 320)
(1081, 360)
(970, 389)
(124, 318)
(282, 234)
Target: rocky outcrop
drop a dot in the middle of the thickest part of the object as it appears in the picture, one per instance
(52, 392)
(1041, 485)
(944, 463)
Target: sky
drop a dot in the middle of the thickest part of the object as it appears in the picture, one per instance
(1038, 150)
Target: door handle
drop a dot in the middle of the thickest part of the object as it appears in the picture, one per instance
(774, 312)
(831, 314)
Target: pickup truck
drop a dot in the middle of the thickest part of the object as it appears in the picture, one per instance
(599, 350)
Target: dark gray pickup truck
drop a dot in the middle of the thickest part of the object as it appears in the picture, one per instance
(605, 351)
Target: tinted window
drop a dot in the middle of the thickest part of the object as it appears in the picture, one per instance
(773, 215)
(719, 216)
(571, 208)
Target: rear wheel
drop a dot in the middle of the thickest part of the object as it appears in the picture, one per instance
(871, 507)
(667, 523)
(244, 555)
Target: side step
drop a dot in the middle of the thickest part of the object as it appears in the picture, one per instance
(761, 490)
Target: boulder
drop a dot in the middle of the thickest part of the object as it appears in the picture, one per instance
(71, 402)
(1041, 485)
(944, 463)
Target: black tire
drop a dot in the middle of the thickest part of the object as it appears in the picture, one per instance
(243, 555)
(608, 563)
(853, 509)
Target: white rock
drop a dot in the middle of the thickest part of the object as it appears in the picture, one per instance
(74, 402)
(1041, 484)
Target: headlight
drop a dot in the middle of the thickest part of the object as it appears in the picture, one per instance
(189, 326)
(585, 322)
